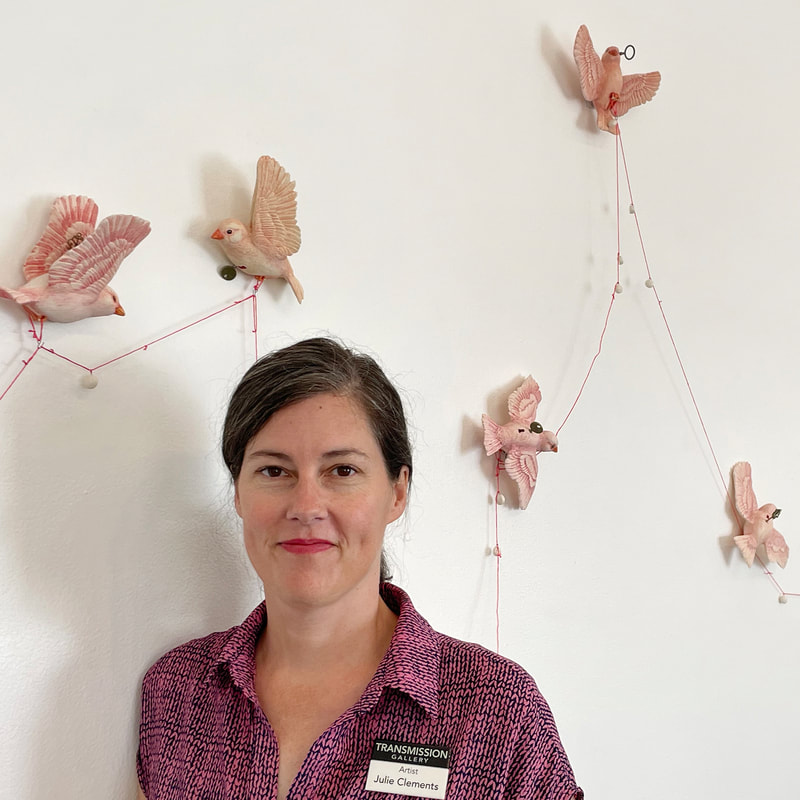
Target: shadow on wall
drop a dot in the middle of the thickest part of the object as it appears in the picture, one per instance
(559, 58)
(121, 530)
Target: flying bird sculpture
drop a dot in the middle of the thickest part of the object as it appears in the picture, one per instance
(759, 521)
(604, 85)
(68, 271)
(263, 249)
(521, 439)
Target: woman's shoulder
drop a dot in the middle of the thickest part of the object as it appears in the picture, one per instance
(479, 666)
(195, 658)
(462, 664)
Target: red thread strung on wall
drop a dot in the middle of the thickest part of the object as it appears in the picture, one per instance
(38, 336)
(498, 499)
(620, 150)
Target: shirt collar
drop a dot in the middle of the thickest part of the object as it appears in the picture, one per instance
(411, 664)
(238, 653)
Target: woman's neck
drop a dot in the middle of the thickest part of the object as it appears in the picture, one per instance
(355, 631)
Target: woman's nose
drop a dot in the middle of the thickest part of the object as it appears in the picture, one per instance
(306, 503)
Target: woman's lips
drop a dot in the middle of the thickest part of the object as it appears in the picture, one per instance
(305, 545)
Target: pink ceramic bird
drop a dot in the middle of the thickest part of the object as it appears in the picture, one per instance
(604, 85)
(521, 439)
(758, 520)
(263, 249)
(69, 268)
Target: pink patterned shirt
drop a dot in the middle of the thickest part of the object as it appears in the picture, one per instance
(203, 735)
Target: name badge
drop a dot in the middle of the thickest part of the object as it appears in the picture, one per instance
(413, 770)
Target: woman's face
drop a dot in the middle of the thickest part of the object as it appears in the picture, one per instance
(314, 497)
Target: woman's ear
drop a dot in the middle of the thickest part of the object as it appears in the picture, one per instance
(400, 489)
(236, 499)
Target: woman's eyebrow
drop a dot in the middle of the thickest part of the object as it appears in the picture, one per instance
(344, 452)
(278, 456)
(268, 454)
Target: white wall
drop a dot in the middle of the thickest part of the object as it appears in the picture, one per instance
(457, 213)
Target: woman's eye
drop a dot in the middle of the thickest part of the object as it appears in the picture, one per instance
(272, 472)
(343, 471)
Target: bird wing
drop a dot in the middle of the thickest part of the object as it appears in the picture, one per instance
(637, 89)
(743, 490)
(523, 468)
(89, 267)
(747, 545)
(273, 224)
(590, 68)
(777, 549)
(72, 219)
(523, 401)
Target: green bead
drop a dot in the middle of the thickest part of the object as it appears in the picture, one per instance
(227, 272)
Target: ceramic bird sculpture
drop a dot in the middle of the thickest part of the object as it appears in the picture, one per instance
(604, 85)
(68, 270)
(263, 249)
(521, 439)
(759, 521)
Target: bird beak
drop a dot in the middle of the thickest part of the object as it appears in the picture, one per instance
(555, 449)
(217, 234)
(120, 311)
(776, 513)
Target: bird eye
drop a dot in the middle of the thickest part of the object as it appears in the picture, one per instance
(229, 231)
(536, 427)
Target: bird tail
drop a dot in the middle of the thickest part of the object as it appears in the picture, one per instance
(491, 435)
(21, 295)
(297, 287)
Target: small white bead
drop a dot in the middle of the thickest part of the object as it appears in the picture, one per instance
(89, 380)
(783, 598)
(496, 551)
(631, 209)
(618, 288)
(501, 499)
(619, 260)
(649, 283)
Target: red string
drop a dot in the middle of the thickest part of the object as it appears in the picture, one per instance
(610, 305)
(616, 165)
(166, 336)
(255, 323)
(21, 370)
(497, 553)
(38, 338)
(591, 366)
(723, 481)
(64, 358)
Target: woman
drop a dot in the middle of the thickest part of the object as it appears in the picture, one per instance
(335, 687)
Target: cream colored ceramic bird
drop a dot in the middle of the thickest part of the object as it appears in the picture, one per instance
(604, 85)
(521, 439)
(759, 521)
(263, 249)
(69, 268)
